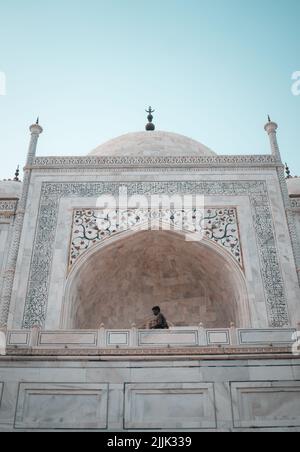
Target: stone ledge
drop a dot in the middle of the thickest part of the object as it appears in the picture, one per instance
(215, 353)
(177, 338)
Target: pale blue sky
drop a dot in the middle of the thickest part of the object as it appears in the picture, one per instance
(213, 69)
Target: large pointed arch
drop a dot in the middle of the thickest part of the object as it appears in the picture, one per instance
(118, 281)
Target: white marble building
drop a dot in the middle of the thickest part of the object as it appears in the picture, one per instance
(78, 279)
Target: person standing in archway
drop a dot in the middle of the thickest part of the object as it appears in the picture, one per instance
(159, 322)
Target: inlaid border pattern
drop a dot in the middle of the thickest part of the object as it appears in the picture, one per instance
(91, 161)
(52, 193)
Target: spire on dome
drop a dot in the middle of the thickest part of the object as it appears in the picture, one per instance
(150, 127)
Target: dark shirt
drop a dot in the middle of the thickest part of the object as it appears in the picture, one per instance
(159, 323)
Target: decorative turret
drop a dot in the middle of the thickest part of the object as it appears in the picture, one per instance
(35, 130)
(271, 128)
(9, 275)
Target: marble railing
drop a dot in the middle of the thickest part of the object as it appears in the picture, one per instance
(134, 338)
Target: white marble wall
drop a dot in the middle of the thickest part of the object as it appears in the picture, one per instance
(297, 221)
(59, 406)
(10, 189)
(167, 394)
(4, 237)
(10, 192)
(58, 277)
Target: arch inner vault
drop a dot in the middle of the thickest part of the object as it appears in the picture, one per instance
(118, 284)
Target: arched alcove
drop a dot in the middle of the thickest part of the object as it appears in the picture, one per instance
(119, 282)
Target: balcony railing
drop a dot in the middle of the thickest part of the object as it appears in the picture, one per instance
(185, 337)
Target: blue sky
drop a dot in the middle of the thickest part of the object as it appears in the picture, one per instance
(213, 69)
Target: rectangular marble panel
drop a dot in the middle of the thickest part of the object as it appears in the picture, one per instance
(170, 406)
(3, 243)
(117, 338)
(18, 338)
(267, 336)
(62, 406)
(266, 405)
(165, 338)
(78, 339)
(218, 337)
(1, 392)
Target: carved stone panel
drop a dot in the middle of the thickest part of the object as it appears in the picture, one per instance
(185, 406)
(62, 406)
(256, 191)
(92, 226)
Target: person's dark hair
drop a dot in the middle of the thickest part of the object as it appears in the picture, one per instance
(156, 308)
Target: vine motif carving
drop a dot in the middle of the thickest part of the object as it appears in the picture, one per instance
(92, 226)
(121, 161)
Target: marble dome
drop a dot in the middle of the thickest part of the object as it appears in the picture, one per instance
(294, 186)
(151, 144)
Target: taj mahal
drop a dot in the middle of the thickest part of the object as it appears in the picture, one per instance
(85, 255)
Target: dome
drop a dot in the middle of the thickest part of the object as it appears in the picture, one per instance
(152, 144)
(294, 186)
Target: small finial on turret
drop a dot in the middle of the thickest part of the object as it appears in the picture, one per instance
(35, 128)
(150, 127)
(269, 118)
(287, 171)
(17, 174)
